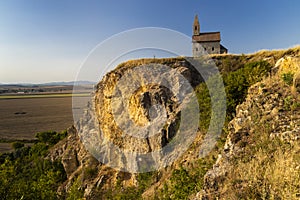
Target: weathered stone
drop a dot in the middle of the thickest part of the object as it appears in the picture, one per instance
(268, 108)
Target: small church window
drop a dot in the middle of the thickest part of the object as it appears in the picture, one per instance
(213, 48)
(205, 48)
(196, 49)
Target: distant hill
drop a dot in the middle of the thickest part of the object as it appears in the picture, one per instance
(70, 83)
(62, 83)
(51, 87)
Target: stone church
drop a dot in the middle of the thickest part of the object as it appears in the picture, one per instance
(209, 42)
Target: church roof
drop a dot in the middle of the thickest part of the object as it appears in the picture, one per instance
(207, 37)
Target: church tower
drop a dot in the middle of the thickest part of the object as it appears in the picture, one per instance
(205, 42)
(196, 26)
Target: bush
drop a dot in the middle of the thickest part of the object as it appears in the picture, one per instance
(288, 78)
(25, 174)
(50, 137)
(17, 145)
(90, 172)
(238, 82)
(236, 87)
(75, 191)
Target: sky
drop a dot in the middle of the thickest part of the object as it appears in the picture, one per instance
(45, 41)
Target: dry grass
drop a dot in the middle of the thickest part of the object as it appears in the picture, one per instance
(232, 62)
(144, 61)
(268, 175)
(268, 168)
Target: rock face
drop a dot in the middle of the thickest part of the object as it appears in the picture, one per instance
(153, 94)
(75, 160)
(273, 106)
(138, 113)
(94, 163)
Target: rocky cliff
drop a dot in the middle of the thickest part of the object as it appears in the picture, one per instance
(78, 152)
(263, 132)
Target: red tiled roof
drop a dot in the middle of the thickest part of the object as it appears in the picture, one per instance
(207, 37)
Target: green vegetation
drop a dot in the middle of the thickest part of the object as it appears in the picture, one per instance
(50, 137)
(288, 78)
(90, 172)
(4, 140)
(17, 145)
(184, 182)
(119, 192)
(26, 174)
(238, 82)
(236, 86)
(75, 192)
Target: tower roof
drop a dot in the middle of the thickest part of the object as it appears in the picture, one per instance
(196, 20)
(207, 37)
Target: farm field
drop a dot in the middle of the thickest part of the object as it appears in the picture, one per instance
(39, 96)
(22, 118)
(5, 147)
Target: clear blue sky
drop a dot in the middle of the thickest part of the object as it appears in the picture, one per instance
(42, 41)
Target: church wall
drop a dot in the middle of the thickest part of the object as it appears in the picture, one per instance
(209, 47)
(197, 50)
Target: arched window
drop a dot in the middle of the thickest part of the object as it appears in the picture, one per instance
(213, 48)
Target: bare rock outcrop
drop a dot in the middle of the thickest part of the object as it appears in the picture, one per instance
(93, 157)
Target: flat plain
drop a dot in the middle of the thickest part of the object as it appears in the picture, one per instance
(22, 118)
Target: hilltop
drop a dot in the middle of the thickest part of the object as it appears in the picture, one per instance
(256, 156)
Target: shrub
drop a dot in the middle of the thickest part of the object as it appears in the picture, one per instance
(186, 181)
(288, 78)
(50, 137)
(25, 174)
(90, 172)
(238, 82)
(76, 191)
(46, 137)
(236, 87)
(17, 145)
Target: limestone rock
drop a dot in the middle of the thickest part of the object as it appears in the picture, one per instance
(271, 102)
(145, 104)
